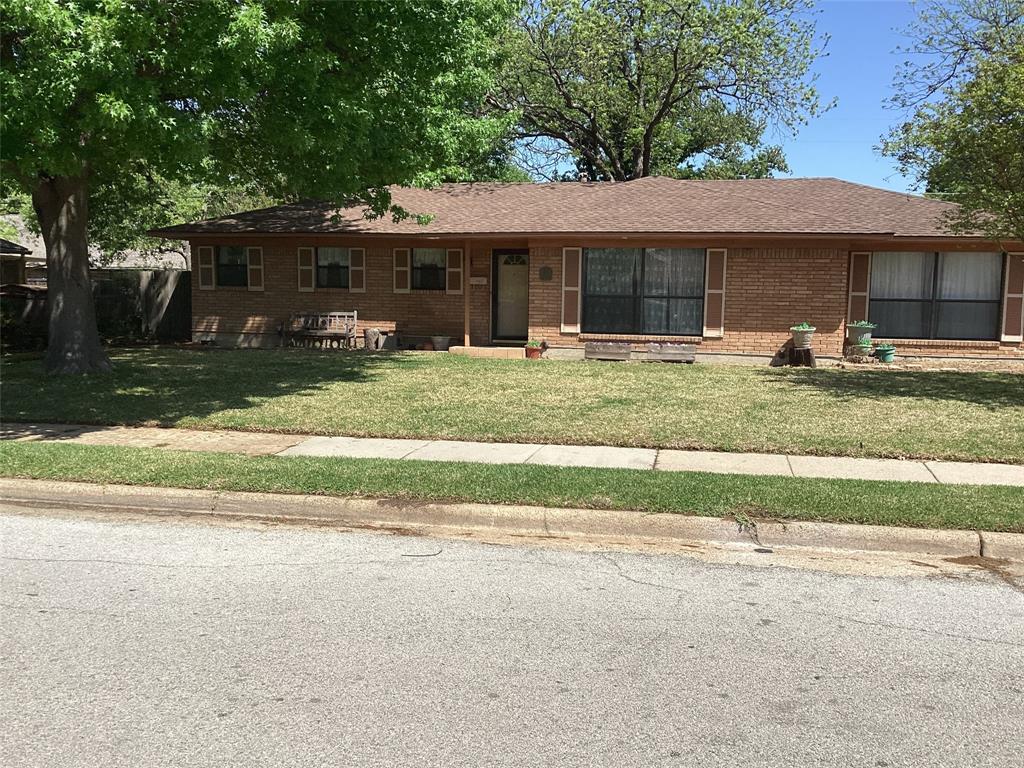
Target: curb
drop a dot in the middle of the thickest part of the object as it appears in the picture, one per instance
(423, 517)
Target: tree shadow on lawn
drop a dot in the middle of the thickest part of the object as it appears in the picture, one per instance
(163, 387)
(991, 390)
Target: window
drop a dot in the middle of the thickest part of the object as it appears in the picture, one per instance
(428, 266)
(332, 267)
(232, 266)
(654, 291)
(936, 295)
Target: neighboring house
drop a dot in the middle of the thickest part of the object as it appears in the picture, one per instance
(726, 265)
(174, 257)
(12, 262)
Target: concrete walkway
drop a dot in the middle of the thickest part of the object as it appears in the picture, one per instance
(259, 443)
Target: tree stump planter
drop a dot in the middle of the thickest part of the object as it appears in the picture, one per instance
(801, 358)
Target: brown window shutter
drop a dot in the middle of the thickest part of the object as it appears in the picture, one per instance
(714, 293)
(307, 269)
(860, 282)
(572, 274)
(453, 270)
(254, 258)
(207, 272)
(357, 270)
(401, 256)
(1013, 299)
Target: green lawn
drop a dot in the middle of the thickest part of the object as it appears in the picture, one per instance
(921, 414)
(988, 508)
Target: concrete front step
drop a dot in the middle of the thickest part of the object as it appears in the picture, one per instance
(503, 353)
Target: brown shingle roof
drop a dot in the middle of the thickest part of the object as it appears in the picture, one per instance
(653, 204)
(7, 246)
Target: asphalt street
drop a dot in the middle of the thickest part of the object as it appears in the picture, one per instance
(171, 644)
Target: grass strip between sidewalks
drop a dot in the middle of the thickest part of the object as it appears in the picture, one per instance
(991, 508)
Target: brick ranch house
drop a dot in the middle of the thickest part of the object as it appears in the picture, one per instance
(726, 265)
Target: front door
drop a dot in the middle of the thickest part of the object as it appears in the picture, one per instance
(511, 299)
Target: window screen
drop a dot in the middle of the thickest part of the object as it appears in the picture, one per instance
(232, 266)
(936, 295)
(332, 267)
(428, 266)
(654, 291)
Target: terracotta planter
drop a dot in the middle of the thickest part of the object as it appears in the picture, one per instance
(534, 353)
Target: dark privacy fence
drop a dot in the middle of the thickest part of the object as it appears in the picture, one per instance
(131, 305)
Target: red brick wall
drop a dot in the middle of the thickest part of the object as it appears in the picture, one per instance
(234, 312)
(767, 291)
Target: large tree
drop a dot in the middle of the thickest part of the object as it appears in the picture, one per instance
(962, 92)
(631, 88)
(334, 100)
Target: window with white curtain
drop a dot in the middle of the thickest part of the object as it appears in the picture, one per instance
(428, 267)
(652, 291)
(936, 295)
(332, 267)
(232, 266)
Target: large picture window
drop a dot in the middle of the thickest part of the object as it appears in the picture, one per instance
(428, 266)
(936, 295)
(232, 266)
(652, 291)
(332, 267)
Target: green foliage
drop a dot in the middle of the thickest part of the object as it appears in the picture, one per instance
(862, 324)
(964, 139)
(630, 88)
(121, 213)
(332, 100)
(803, 327)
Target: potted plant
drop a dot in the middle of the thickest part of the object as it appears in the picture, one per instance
(863, 349)
(859, 332)
(802, 335)
(885, 353)
(534, 349)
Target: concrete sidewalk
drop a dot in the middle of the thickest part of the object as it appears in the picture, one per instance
(259, 443)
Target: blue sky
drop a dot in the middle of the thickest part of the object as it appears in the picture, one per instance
(858, 71)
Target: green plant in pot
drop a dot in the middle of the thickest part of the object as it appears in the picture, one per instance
(534, 349)
(802, 335)
(859, 332)
(862, 350)
(886, 353)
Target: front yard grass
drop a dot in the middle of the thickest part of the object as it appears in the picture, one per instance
(972, 416)
(989, 508)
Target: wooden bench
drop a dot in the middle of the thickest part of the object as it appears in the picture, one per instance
(321, 329)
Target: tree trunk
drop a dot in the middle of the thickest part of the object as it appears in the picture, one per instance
(61, 203)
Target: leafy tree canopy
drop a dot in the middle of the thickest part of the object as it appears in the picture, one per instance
(963, 92)
(630, 88)
(331, 100)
